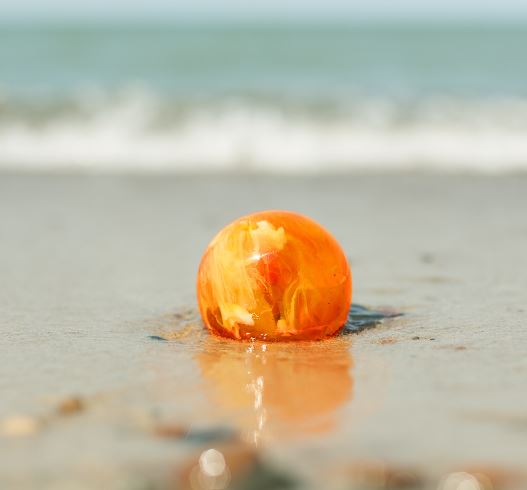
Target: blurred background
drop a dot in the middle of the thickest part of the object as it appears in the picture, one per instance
(290, 87)
(108, 377)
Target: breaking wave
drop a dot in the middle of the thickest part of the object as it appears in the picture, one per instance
(141, 131)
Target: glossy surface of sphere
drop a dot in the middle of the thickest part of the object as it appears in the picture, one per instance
(274, 275)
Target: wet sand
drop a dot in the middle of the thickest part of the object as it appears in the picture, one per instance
(96, 271)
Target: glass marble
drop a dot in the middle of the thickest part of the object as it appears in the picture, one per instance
(274, 275)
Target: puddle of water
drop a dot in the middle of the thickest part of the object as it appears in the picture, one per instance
(273, 390)
(278, 390)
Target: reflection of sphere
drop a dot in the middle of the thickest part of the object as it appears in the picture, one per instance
(275, 389)
(274, 275)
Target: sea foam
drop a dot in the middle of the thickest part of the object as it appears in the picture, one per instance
(140, 131)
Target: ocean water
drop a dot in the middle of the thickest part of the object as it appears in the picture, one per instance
(261, 97)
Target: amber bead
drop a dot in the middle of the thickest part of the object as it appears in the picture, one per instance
(274, 275)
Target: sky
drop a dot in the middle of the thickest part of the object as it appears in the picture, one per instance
(258, 9)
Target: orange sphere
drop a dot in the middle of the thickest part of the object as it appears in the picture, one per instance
(274, 275)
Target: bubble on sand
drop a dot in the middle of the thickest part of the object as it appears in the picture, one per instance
(212, 462)
(211, 473)
(459, 481)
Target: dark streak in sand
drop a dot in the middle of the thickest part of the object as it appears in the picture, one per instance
(361, 318)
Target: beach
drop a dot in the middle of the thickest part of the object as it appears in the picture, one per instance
(98, 306)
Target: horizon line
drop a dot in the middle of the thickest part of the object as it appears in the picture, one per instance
(268, 18)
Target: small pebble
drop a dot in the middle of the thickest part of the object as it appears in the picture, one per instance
(70, 406)
(379, 475)
(171, 431)
(19, 425)
(427, 258)
(386, 341)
